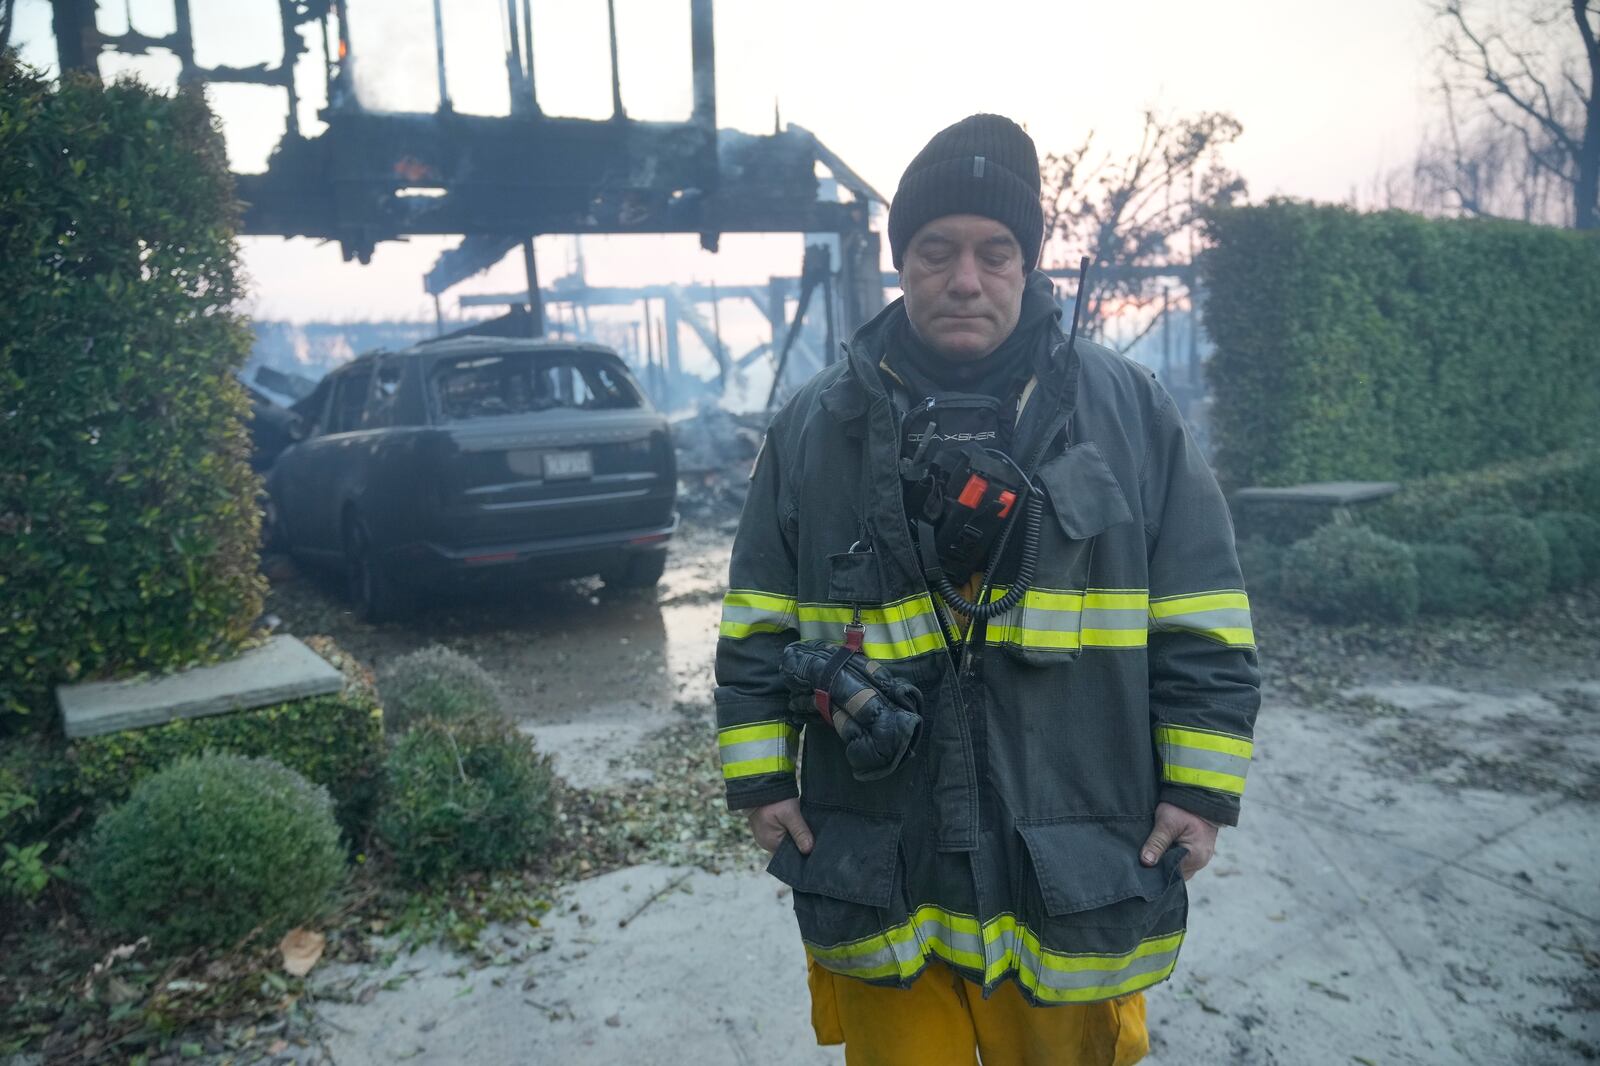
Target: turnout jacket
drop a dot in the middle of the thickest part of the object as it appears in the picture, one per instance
(1007, 844)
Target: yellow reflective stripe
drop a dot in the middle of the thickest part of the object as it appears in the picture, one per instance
(1222, 616)
(1047, 599)
(760, 731)
(1114, 638)
(1226, 743)
(740, 630)
(748, 611)
(1205, 601)
(897, 611)
(1043, 639)
(1118, 599)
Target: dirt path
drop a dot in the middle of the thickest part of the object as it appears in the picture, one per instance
(1414, 882)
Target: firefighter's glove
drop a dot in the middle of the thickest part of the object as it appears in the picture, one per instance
(876, 714)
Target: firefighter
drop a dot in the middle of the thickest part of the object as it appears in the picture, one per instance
(987, 578)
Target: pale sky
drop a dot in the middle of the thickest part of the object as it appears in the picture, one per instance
(1329, 95)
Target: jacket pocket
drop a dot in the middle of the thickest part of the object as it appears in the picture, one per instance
(1047, 627)
(845, 890)
(855, 577)
(853, 856)
(1084, 494)
(1088, 871)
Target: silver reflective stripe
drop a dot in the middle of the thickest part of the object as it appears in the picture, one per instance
(776, 748)
(1136, 619)
(1213, 762)
(1203, 621)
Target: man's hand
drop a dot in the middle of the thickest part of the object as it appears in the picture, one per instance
(1174, 825)
(769, 824)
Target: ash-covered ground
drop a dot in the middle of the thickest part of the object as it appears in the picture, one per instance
(1415, 879)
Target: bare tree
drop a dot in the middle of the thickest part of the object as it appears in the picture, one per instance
(1136, 215)
(1521, 131)
(8, 13)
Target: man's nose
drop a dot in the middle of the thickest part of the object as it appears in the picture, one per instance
(965, 281)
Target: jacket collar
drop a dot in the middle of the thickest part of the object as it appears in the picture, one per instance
(851, 395)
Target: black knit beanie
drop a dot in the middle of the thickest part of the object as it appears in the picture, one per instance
(983, 165)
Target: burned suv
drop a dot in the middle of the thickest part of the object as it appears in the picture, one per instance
(477, 456)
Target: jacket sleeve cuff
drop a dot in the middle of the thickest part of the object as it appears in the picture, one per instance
(1212, 806)
(761, 793)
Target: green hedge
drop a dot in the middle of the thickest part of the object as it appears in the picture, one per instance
(335, 741)
(1387, 346)
(128, 521)
(1564, 481)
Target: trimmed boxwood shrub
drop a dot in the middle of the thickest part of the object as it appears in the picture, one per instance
(1580, 535)
(211, 849)
(128, 517)
(470, 794)
(336, 741)
(1515, 558)
(1387, 346)
(1451, 580)
(1566, 569)
(435, 682)
(1351, 574)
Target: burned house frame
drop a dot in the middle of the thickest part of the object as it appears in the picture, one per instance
(498, 181)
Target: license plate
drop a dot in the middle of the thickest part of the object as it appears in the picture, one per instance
(560, 466)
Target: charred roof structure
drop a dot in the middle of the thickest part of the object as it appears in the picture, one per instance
(498, 181)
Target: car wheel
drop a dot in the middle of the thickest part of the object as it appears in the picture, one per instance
(371, 590)
(642, 571)
(272, 538)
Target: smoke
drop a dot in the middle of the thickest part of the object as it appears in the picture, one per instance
(392, 42)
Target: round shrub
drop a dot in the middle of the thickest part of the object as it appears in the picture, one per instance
(1515, 557)
(1262, 564)
(1350, 574)
(1580, 534)
(1451, 580)
(212, 848)
(468, 794)
(1566, 569)
(435, 682)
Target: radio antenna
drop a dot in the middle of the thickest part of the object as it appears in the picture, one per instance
(1077, 304)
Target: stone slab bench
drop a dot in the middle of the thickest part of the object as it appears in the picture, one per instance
(1325, 493)
(282, 669)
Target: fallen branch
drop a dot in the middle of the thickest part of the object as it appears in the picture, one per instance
(657, 894)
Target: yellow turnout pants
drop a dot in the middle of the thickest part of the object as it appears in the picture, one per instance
(941, 1020)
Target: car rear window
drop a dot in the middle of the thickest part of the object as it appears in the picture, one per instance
(519, 383)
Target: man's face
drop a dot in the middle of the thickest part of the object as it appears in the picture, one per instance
(963, 277)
